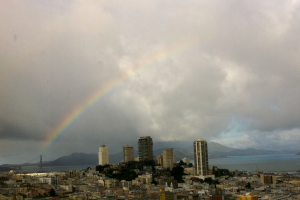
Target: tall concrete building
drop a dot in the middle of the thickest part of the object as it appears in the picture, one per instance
(201, 157)
(128, 153)
(168, 158)
(145, 148)
(103, 155)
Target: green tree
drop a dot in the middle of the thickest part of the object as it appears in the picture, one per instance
(181, 163)
(52, 192)
(24, 195)
(100, 168)
(153, 181)
(248, 185)
(208, 180)
(177, 172)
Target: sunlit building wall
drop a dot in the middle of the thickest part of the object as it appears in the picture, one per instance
(103, 155)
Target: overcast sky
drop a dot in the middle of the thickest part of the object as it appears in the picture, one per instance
(230, 73)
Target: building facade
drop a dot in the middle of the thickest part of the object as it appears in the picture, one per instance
(267, 179)
(50, 180)
(145, 148)
(201, 157)
(168, 157)
(186, 160)
(128, 153)
(103, 155)
(160, 160)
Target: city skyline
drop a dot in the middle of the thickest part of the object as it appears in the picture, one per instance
(75, 75)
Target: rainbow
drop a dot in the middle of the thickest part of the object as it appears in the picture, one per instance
(144, 62)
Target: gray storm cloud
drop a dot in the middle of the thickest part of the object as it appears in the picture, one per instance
(237, 84)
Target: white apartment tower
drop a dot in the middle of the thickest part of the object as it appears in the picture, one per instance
(201, 157)
(103, 155)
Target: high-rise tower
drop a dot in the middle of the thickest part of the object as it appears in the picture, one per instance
(145, 148)
(128, 153)
(103, 155)
(201, 157)
(168, 158)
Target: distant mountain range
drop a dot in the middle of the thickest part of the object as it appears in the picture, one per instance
(221, 150)
(75, 159)
(216, 147)
(215, 150)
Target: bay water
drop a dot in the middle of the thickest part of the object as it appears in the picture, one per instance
(271, 163)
